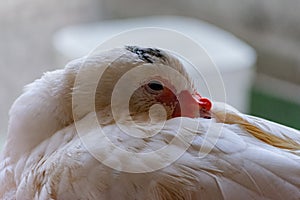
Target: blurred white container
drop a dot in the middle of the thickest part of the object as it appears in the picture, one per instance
(234, 59)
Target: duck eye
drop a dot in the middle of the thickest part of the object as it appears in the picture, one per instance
(155, 85)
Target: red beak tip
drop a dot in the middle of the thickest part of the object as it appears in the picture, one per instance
(205, 103)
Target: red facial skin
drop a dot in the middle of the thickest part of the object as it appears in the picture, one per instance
(186, 104)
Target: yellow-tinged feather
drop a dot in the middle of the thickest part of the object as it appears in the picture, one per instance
(233, 118)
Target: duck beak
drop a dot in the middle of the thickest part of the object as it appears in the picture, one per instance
(192, 106)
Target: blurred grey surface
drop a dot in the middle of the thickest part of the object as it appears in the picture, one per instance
(272, 27)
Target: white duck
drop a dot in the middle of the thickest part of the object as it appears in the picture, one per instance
(44, 158)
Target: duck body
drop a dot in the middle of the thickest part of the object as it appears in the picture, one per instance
(228, 155)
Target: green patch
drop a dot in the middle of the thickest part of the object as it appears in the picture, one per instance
(275, 109)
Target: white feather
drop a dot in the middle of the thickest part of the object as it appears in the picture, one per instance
(45, 159)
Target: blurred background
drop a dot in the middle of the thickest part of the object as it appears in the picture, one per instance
(39, 36)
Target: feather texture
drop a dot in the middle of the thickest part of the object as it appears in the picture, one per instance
(243, 157)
